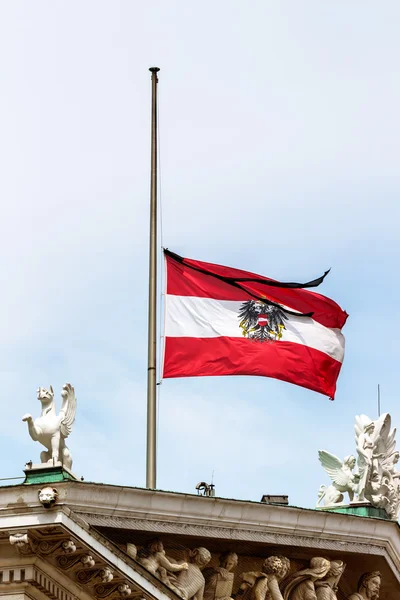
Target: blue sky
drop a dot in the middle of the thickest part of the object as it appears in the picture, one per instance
(279, 139)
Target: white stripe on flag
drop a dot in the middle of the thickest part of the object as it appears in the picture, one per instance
(189, 316)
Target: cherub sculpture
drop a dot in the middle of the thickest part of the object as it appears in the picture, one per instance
(154, 559)
(50, 429)
(264, 585)
(343, 478)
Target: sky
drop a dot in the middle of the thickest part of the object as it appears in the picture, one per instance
(279, 154)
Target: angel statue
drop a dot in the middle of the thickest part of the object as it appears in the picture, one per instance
(377, 457)
(50, 429)
(343, 478)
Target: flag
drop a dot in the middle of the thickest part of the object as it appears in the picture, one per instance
(224, 321)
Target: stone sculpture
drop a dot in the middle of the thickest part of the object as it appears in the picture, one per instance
(343, 478)
(368, 587)
(219, 580)
(326, 588)
(48, 496)
(131, 550)
(301, 585)
(377, 480)
(154, 559)
(190, 582)
(365, 446)
(264, 585)
(50, 429)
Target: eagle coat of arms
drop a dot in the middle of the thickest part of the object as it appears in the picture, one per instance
(262, 321)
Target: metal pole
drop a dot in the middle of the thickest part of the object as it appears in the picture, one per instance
(152, 339)
(379, 400)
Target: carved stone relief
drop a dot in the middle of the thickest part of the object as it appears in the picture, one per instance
(219, 580)
(368, 587)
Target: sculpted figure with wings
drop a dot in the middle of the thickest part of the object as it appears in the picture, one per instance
(377, 457)
(51, 429)
(261, 320)
(343, 478)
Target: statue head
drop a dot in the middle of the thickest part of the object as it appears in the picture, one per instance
(45, 396)
(48, 496)
(369, 427)
(276, 565)
(228, 560)
(369, 584)
(200, 557)
(319, 567)
(155, 546)
(350, 461)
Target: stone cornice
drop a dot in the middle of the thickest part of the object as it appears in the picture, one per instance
(147, 510)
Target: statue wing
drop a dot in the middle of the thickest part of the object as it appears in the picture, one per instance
(358, 427)
(334, 467)
(68, 409)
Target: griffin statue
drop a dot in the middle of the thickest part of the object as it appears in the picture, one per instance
(51, 429)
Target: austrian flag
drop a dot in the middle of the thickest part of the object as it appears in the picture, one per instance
(223, 321)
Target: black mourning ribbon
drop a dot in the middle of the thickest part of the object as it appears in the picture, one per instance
(236, 281)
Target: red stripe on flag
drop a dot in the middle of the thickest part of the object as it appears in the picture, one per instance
(182, 280)
(294, 363)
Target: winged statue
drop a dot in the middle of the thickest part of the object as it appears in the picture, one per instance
(51, 429)
(261, 321)
(377, 457)
(342, 476)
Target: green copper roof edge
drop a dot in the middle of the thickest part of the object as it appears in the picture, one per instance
(359, 511)
(47, 475)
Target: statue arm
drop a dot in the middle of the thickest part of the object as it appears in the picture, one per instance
(261, 589)
(173, 567)
(273, 587)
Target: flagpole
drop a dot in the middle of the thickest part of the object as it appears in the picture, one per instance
(152, 333)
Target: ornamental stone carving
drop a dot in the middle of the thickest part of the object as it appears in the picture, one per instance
(301, 585)
(106, 575)
(19, 540)
(262, 585)
(368, 587)
(124, 590)
(51, 429)
(103, 590)
(219, 580)
(51, 546)
(326, 588)
(68, 547)
(48, 496)
(377, 480)
(68, 561)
